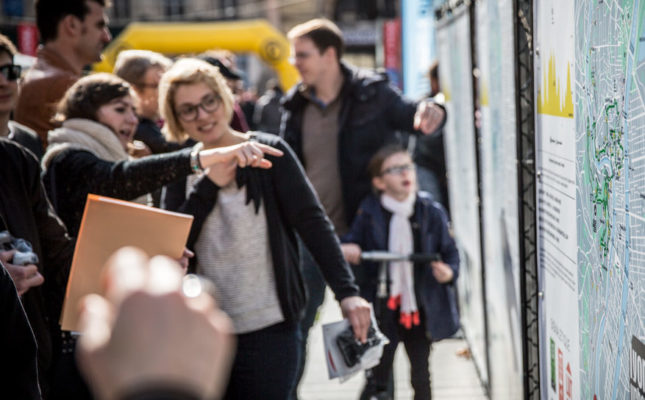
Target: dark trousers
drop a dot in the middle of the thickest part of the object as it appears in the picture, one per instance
(417, 346)
(316, 285)
(265, 363)
(66, 380)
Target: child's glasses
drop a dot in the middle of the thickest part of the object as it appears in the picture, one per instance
(398, 169)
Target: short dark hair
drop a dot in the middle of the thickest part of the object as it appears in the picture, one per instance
(322, 32)
(433, 71)
(377, 160)
(49, 13)
(132, 65)
(88, 94)
(6, 46)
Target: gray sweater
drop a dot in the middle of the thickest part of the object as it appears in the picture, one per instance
(234, 254)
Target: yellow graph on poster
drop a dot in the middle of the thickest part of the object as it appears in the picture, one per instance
(483, 95)
(550, 101)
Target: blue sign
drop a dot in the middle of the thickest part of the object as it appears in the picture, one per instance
(418, 52)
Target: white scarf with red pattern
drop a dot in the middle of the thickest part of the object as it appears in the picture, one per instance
(401, 241)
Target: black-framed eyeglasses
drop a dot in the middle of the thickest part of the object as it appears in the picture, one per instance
(398, 169)
(188, 112)
(11, 72)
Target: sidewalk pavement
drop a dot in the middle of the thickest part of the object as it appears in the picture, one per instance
(453, 377)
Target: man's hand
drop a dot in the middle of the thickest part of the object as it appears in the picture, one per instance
(441, 271)
(150, 330)
(351, 252)
(358, 311)
(23, 276)
(428, 117)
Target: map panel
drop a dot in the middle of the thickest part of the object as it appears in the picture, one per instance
(610, 169)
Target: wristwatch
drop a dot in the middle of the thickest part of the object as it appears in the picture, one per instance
(195, 163)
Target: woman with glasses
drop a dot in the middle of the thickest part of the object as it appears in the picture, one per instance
(9, 75)
(88, 154)
(244, 234)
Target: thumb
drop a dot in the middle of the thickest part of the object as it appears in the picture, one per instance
(6, 256)
(95, 322)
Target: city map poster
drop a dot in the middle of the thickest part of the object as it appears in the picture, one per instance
(461, 165)
(498, 175)
(556, 199)
(610, 169)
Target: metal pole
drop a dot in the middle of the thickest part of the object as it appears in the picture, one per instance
(525, 109)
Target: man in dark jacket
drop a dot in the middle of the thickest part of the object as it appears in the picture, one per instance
(73, 33)
(335, 120)
(26, 213)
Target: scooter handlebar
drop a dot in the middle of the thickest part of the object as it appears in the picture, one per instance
(381, 256)
(423, 257)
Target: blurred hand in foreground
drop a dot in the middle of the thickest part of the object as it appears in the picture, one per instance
(148, 333)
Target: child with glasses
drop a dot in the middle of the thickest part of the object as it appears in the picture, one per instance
(421, 306)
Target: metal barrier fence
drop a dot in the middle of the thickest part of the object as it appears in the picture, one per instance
(526, 185)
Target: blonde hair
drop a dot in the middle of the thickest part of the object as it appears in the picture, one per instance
(188, 71)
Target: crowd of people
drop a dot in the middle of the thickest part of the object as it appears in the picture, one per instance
(271, 207)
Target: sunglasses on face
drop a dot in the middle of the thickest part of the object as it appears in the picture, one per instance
(209, 104)
(398, 169)
(11, 72)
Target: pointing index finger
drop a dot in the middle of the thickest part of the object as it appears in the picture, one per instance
(270, 150)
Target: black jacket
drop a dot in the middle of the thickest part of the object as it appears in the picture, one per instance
(27, 214)
(291, 207)
(74, 173)
(27, 137)
(371, 113)
(149, 133)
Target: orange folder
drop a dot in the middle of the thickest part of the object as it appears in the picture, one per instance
(109, 224)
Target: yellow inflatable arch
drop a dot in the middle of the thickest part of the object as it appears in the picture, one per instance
(252, 36)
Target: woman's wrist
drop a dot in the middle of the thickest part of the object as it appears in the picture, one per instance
(195, 158)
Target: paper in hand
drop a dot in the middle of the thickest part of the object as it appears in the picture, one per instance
(345, 354)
